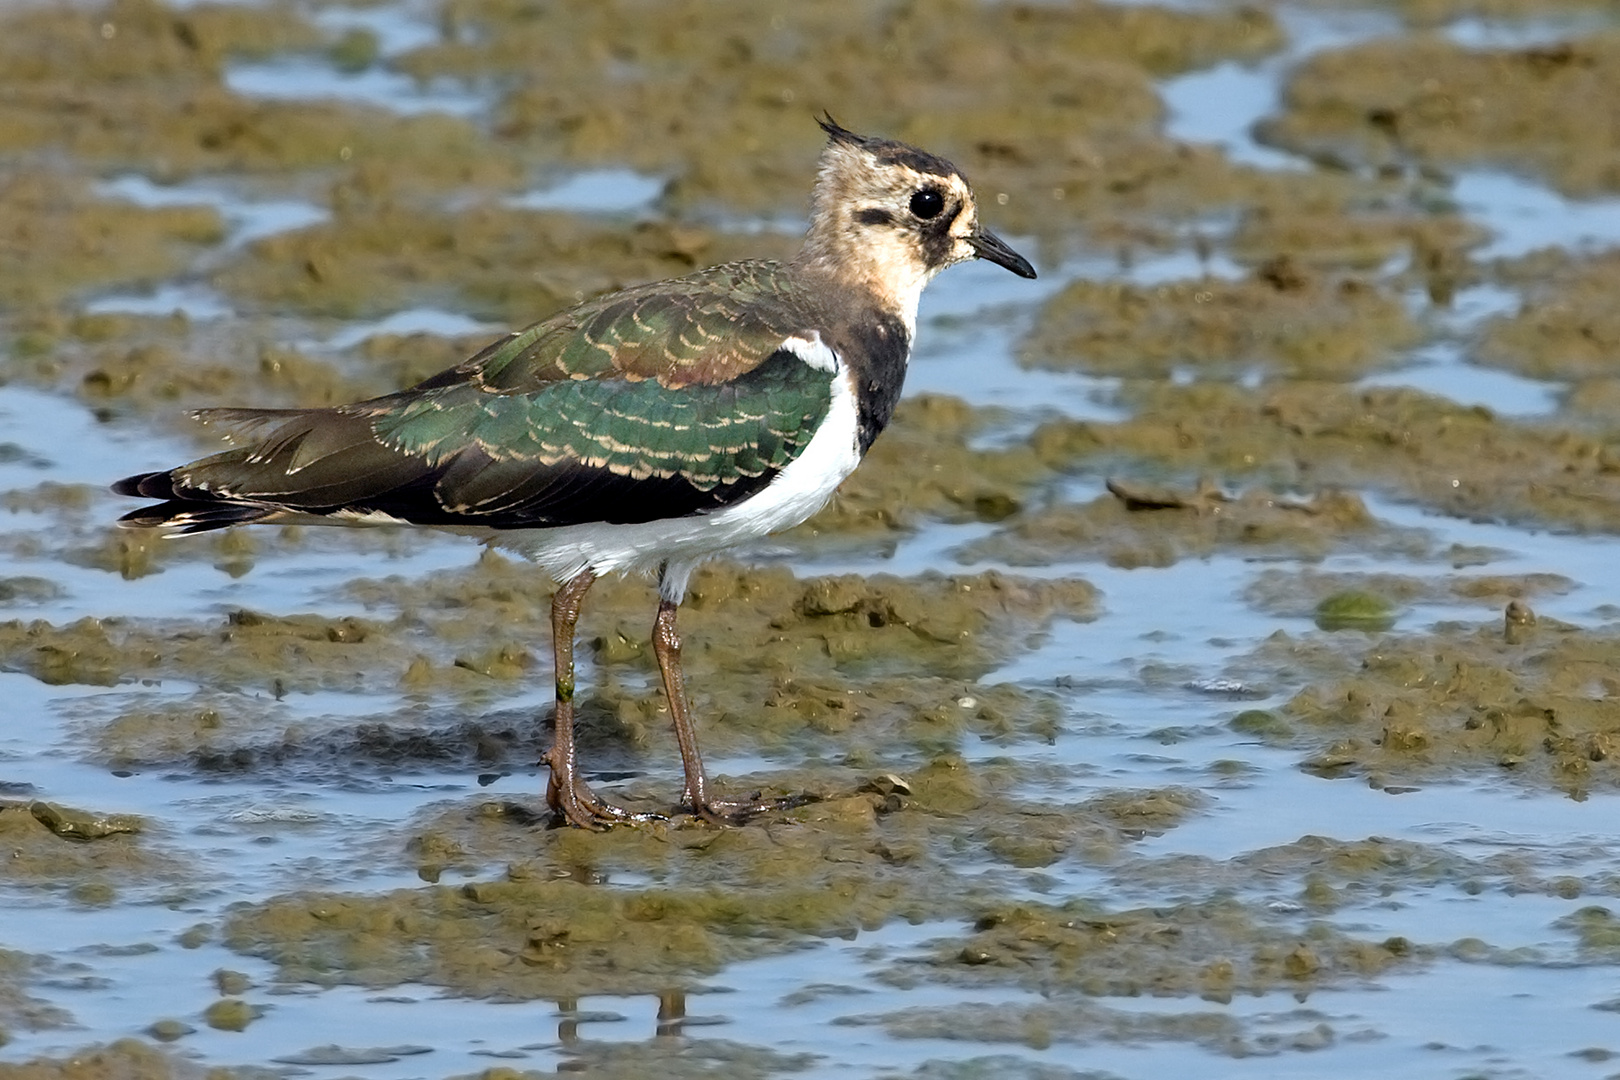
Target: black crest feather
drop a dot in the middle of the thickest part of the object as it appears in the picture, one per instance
(887, 151)
(838, 132)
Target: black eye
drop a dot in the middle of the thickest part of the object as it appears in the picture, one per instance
(927, 203)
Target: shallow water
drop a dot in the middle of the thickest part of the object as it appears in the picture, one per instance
(1145, 693)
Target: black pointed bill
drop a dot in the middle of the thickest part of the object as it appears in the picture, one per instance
(990, 246)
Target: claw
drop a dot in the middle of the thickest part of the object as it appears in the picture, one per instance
(741, 811)
(577, 804)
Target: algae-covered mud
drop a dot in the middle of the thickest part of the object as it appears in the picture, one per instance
(1216, 659)
(1427, 102)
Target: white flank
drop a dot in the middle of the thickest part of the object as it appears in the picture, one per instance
(798, 491)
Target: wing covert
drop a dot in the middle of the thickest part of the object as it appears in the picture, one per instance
(709, 327)
(579, 450)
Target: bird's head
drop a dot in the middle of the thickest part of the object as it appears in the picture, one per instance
(894, 216)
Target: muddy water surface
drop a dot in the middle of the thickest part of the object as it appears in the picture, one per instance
(1217, 659)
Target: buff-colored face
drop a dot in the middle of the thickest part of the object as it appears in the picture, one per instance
(897, 216)
(921, 217)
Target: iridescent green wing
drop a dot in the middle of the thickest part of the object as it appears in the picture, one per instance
(658, 402)
(612, 449)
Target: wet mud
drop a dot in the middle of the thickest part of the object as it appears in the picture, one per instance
(138, 85)
(1565, 328)
(567, 920)
(1283, 322)
(562, 937)
(1433, 14)
(19, 1010)
(58, 240)
(1210, 950)
(1428, 103)
(1087, 1023)
(125, 363)
(1138, 525)
(492, 262)
(713, 89)
(1526, 699)
(1231, 427)
(775, 663)
(1456, 459)
(86, 856)
(131, 1058)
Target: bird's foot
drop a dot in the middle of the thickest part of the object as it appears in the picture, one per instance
(576, 804)
(741, 811)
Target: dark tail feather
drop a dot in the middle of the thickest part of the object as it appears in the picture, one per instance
(178, 516)
(150, 485)
(181, 513)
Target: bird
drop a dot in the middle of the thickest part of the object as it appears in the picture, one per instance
(644, 430)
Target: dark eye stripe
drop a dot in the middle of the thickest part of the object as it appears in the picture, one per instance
(874, 215)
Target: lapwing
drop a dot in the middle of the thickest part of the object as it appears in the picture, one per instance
(644, 430)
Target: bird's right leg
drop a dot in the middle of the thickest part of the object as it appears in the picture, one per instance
(566, 792)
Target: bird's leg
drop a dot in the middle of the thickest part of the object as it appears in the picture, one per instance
(566, 793)
(666, 641)
(667, 647)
